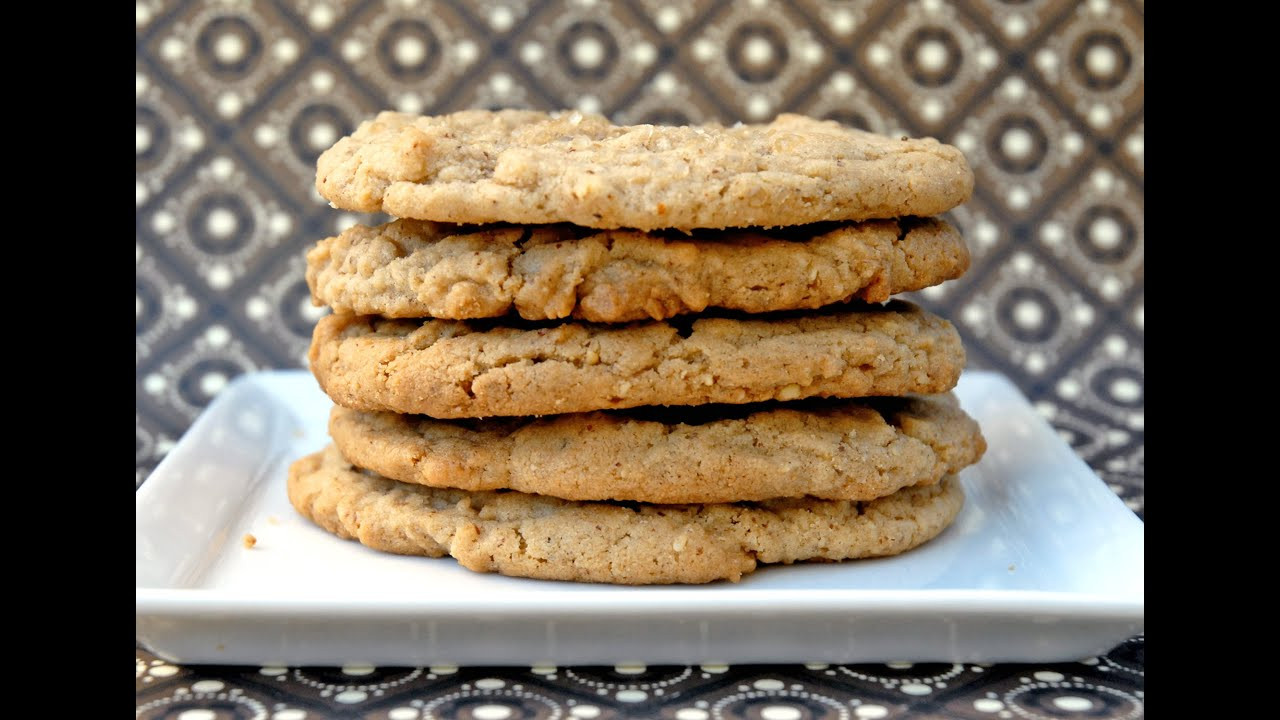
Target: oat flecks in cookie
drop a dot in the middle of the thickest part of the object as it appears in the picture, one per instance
(455, 368)
(410, 268)
(541, 537)
(837, 450)
(529, 167)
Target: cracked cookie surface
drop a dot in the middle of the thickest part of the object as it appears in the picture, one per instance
(410, 268)
(457, 368)
(627, 543)
(530, 167)
(835, 450)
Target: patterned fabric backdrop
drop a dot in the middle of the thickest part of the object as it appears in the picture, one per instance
(235, 100)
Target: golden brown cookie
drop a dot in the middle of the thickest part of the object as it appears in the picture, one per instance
(627, 543)
(412, 268)
(527, 167)
(457, 368)
(834, 450)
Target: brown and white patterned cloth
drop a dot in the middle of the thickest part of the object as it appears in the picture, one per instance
(235, 99)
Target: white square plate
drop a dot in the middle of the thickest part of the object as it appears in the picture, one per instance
(1044, 563)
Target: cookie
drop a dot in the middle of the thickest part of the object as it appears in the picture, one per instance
(469, 368)
(411, 268)
(542, 537)
(834, 450)
(529, 167)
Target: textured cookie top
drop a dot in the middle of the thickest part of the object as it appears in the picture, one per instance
(541, 537)
(458, 368)
(521, 166)
(412, 268)
(839, 450)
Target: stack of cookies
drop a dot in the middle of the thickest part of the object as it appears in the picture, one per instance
(636, 354)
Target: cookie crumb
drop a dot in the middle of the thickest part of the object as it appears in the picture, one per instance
(272, 519)
(249, 540)
(1012, 567)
